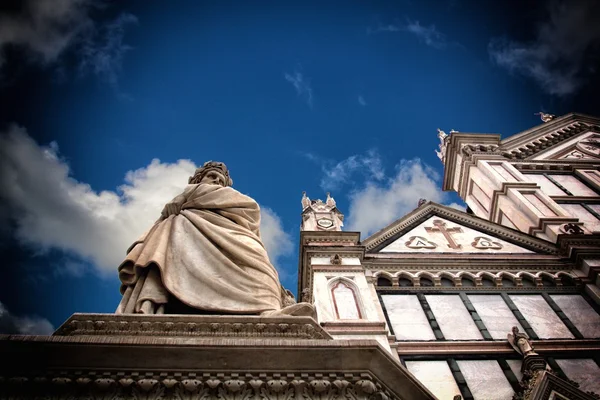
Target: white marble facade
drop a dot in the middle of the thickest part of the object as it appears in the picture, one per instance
(439, 235)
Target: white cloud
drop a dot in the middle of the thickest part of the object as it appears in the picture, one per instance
(459, 207)
(337, 174)
(28, 325)
(378, 199)
(54, 211)
(376, 205)
(276, 240)
(556, 58)
(362, 101)
(427, 34)
(302, 86)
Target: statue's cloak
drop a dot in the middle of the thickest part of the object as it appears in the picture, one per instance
(209, 256)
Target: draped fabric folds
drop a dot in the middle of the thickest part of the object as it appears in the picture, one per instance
(209, 256)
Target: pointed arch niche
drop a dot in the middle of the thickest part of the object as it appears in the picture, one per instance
(345, 299)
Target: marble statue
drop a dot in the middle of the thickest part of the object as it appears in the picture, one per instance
(330, 201)
(520, 342)
(441, 153)
(305, 201)
(205, 255)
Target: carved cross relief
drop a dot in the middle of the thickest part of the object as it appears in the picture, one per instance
(440, 226)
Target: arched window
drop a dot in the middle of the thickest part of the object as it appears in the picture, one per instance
(566, 280)
(383, 281)
(507, 282)
(487, 282)
(466, 282)
(547, 281)
(527, 281)
(345, 300)
(426, 282)
(405, 282)
(446, 282)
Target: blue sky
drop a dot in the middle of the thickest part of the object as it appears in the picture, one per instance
(318, 96)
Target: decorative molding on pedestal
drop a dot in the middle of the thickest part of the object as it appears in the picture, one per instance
(207, 326)
(187, 385)
(93, 362)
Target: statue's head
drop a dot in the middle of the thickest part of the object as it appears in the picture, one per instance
(211, 171)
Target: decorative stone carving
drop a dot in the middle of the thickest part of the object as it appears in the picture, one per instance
(484, 243)
(335, 259)
(441, 153)
(330, 201)
(520, 342)
(190, 386)
(439, 226)
(192, 326)
(419, 242)
(305, 201)
(421, 202)
(572, 229)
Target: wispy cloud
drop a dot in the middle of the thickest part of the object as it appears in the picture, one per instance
(46, 30)
(560, 57)
(426, 34)
(23, 325)
(336, 174)
(302, 86)
(54, 211)
(376, 197)
(104, 56)
(362, 101)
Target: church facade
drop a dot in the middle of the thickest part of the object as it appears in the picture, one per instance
(500, 301)
(442, 289)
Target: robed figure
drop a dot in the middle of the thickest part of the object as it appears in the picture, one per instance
(204, 255)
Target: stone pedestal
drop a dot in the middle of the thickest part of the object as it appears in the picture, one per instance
(106, 356)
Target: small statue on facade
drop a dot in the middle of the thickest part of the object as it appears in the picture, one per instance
(421, 202)
(330, 201)
(520, 342)
(441, 153)
(545, 116)
(305, 201)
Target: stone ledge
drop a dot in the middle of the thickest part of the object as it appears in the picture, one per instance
(207, 326)
(84, 366)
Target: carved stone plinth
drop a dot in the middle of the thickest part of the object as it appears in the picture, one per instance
(207, 326)
(533, 362)
(97, 356)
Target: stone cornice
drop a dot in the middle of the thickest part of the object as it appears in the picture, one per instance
(543, 141)
(388, 234)
(553, 165)
(545, 131)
